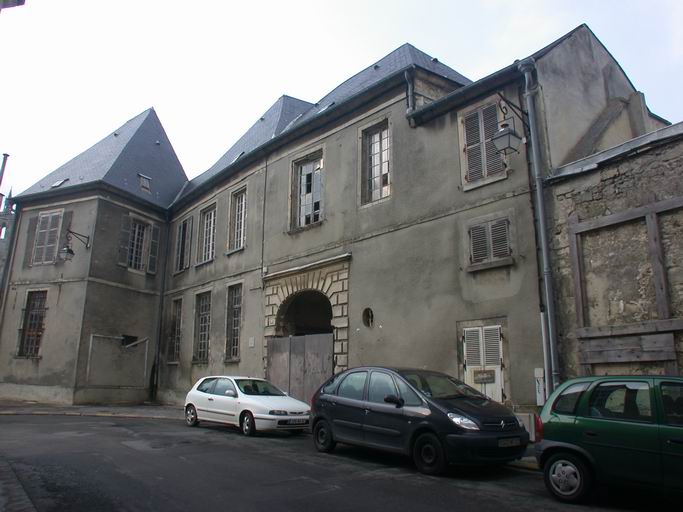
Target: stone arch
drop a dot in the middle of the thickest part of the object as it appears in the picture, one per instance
(330, 279)
(305, 312)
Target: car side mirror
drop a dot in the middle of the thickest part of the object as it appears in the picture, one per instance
(393, 399)
(230, 392)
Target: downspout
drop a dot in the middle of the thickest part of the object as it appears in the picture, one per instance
(4, 284)
(410, 95)
(527, 66)
(264, 362)
(160, 315)
(5, 156)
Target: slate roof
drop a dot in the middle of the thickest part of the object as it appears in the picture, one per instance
(289, 113)
(271, 124)
(140, 146)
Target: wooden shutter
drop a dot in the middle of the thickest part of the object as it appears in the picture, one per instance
(124, 240)
(500, 243)
(188, 242)
(153, 250)
(494, 162)
(30, 240)
(479, 243)
(66, 226)
(473, 347)
(492, 348)
(475, 166)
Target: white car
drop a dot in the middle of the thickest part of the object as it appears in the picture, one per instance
(251, 404)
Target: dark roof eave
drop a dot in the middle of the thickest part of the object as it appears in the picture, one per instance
(85, 187)
(465, 94)
(360, 98)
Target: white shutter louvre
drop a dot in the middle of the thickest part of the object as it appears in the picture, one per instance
(500, 243)
(475, 165)
(492, 349)
(479, 243)
(494, 162)
(472, 347)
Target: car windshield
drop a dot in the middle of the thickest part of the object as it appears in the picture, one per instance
(441, 386)
(258, 387)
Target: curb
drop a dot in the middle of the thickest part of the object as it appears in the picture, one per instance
(13, 497)
(88, 414)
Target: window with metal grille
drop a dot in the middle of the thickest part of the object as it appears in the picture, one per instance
(136, 245)
(176, 326)
(202, 327)
(207, 235)
(375, 173)
(238, 220)
(490, 241)
(482, 158)
(47, 237)
(34, 324)
(182, 248)
(308, 193)
(234, 322)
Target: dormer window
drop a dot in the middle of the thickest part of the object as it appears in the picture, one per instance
(145, 183)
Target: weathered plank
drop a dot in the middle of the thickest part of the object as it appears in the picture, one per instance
(658, 270)
(647, 342)
(630, 355)
(646, 327)
(575, 256)
(629, 215)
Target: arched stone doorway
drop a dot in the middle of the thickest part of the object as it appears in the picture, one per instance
(306, 312)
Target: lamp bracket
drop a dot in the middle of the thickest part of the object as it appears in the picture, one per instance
(503, 105)
(84, 239)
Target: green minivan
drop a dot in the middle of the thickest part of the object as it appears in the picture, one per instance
(611, 429)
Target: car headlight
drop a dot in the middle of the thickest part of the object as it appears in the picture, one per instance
(277, 413)
(463, 421)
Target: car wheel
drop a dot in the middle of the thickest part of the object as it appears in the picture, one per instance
(191, 416)
(567, 477)
(247, 424)
(428, 455)
(322, 437)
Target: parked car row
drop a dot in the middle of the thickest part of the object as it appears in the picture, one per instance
(594, 429)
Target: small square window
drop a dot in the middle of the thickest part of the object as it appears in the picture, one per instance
(145, 183)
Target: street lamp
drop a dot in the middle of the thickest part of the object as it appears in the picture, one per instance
(506, 140)
(66, 253)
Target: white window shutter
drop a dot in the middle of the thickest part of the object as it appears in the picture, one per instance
(494, 162)
(475, 165)
(500, 241)
(479, 243)
(473, 347)
(492, 345)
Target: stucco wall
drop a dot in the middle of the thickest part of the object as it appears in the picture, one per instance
(618, 270)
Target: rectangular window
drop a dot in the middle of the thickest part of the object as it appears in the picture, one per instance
(183, 241)
(482, 159)
(375, 172)
(136, 245)
(628, 401)
(234, 322)
(202, 327)
(145, 183)
(238, 220)
(47, 237)
(308, 193)
(176, 326)
(34, 324)
(207, 235)
(490, 241)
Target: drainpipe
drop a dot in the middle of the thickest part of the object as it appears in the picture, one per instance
(527, 66)
(160, 316)
(408, 74)
(5, 156)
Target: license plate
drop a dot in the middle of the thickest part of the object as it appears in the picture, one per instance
(298, 421)
(508, 441)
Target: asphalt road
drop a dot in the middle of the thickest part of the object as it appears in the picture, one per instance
(108, 464)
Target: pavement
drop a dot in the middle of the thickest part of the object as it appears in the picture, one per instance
(13, 497)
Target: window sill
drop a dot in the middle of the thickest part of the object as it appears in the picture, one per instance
(234, 251)
(200, 363)
(486, 181)
(33, 358)
(173, 363)
(486, 265)
(178, 272)
(231, 360)
(298, 230)
(370, 204)
(197, 265)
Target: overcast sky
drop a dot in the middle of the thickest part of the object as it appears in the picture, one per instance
(73, 71)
